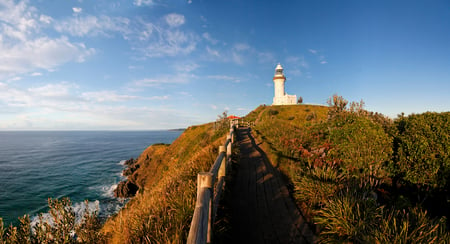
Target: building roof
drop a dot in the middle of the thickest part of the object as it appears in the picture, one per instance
(233, 117)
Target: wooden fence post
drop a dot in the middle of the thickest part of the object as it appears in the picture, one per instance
(205, 180)
(229, 148)
(223, 164)
(232, 133)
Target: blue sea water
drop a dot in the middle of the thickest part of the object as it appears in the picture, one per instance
(36, 165)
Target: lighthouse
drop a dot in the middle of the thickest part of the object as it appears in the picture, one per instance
(280, 97)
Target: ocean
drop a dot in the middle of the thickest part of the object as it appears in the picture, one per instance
(36, 165)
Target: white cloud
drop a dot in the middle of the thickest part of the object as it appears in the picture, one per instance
(208, 37)
(212, 52)
(77, 10)
(44, 53)
(36, 74)
(266, 57)
(45, 19)
(106, 96)
(174, 20)
(237, 58)
(24, 47)
(16, 78)
(186, 67)
(320, 56)
(53, 90)
(164, 80)
(93, 25)
(170, 43)
(143, 2)
(241, 47)
(224, 77)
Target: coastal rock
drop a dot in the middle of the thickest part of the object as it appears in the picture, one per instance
(132, 167)
(126, 189)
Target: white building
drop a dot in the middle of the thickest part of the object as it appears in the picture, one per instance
(280, 97)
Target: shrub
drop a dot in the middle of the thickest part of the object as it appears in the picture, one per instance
(423, 149)
(360, 144)
(59, 228)
(350, 217)
(410, 226)
(273, 112)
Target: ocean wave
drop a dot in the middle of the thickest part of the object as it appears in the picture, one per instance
(78, 208)
(108, 191)
(122, 162)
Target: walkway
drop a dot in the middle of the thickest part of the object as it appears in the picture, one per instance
(262, 210)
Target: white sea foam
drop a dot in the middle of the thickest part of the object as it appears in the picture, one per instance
(122, 162)
(78, 208)
(108, 191)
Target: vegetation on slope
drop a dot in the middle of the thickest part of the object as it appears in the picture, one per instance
(359, 176)
(160, 212)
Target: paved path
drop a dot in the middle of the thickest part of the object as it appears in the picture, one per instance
(262, 210)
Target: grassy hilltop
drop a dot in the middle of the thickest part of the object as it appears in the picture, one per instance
(360, 177)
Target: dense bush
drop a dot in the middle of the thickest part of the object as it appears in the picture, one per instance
(61, 227)
(423, 149)
(359, 143)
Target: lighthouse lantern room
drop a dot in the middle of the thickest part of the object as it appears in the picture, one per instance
(280, 97)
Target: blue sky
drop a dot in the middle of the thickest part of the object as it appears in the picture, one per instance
(150, 64)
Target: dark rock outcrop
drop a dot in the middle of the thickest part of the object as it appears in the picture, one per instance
(126, 189)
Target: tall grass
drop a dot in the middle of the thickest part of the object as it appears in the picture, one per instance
(162, 211)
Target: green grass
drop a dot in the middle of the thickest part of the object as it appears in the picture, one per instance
(344, 172)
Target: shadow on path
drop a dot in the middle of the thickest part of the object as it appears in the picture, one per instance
(261, 209)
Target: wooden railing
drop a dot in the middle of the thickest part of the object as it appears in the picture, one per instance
(208, 196)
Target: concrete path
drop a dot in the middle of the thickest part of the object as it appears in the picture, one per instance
(262, 210)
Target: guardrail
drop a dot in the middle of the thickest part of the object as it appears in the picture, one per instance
(208, 196)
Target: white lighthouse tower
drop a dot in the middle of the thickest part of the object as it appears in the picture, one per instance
(280, 97)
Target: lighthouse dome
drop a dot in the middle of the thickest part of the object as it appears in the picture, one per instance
(279, 67)
(279, 70)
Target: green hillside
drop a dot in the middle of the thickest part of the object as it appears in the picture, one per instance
(358, 176)
(162, 210)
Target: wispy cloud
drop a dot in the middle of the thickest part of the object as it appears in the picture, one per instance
(106, 96)
(53, 90)
(186, 67)
(208, 37)
(312, 51)
(174, 20)
(224, 77)
(77, 10)
(212, 52)
(163, 80)
(93, 26)
(157, 41)
(296, 64)
(322, 59)
(143, 2)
